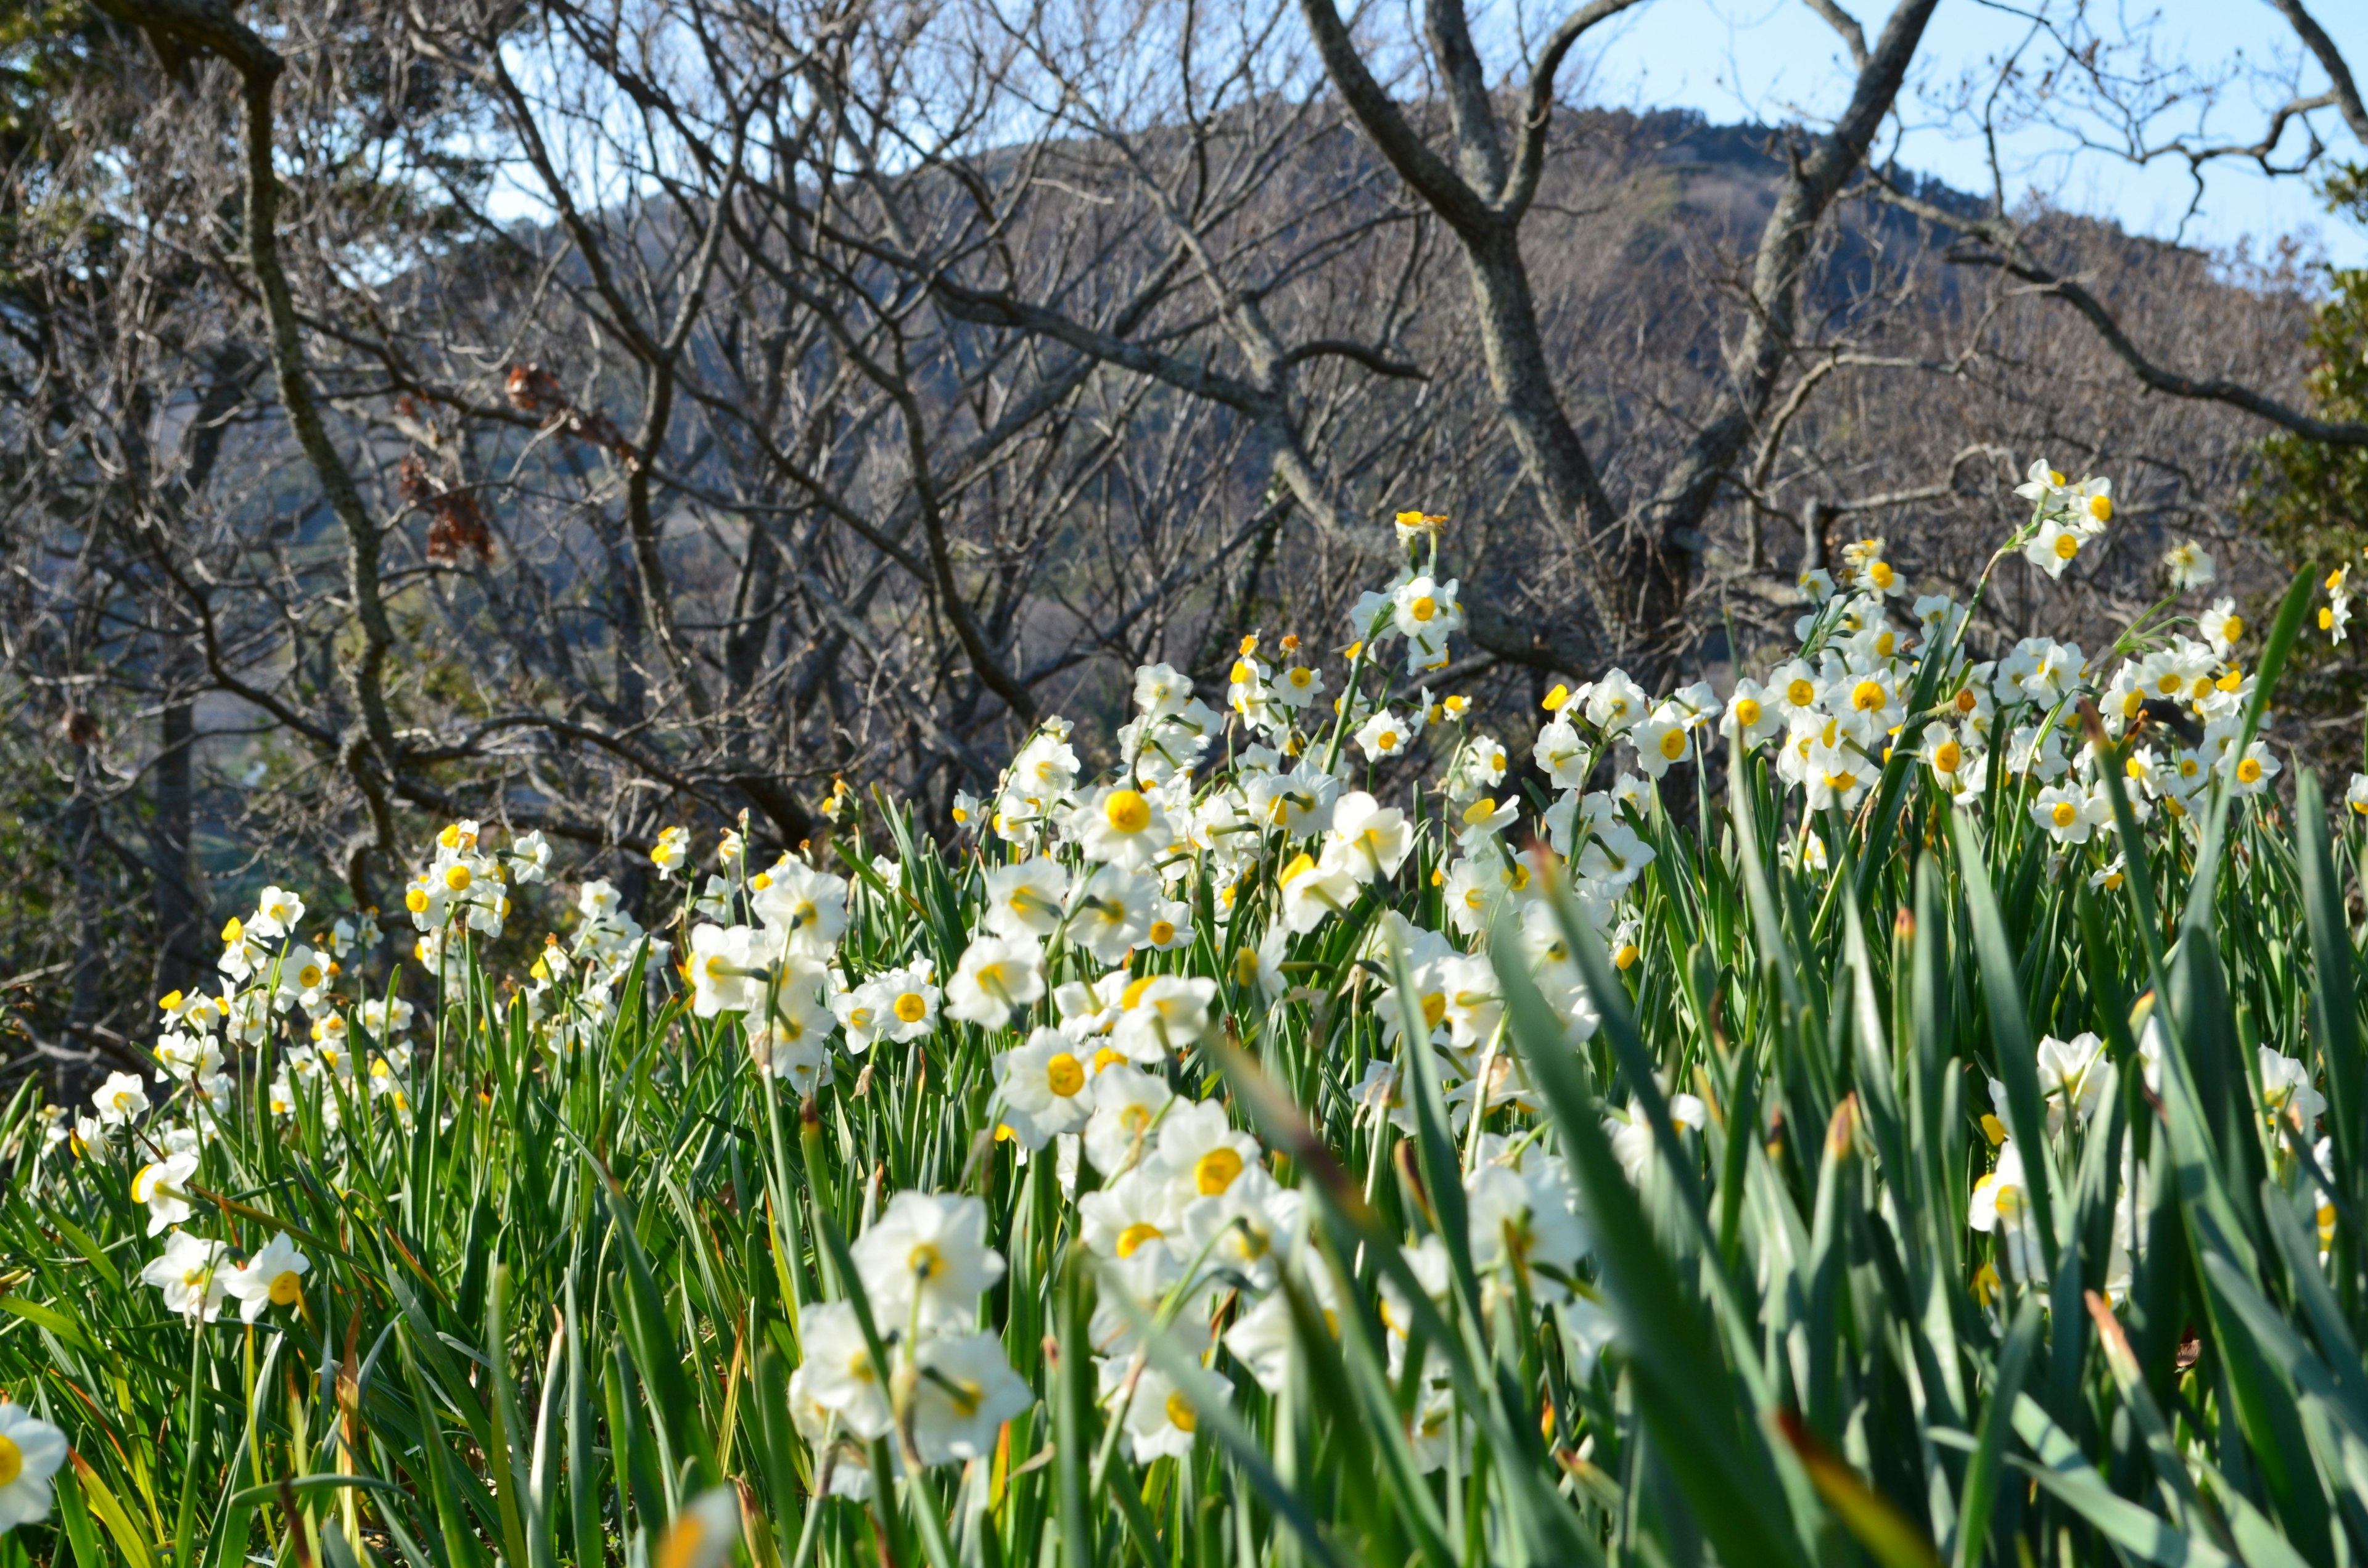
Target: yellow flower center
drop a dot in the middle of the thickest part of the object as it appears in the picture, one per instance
(1300, 677)
(1386, 741)
(1424, 607)
(2232, 629)
(416, 901)
(309, 976)
(2249, 771)
(1180, 1413)
(1434, 1007)
(1128, 811)
(1162, 932)
(1948, 757)
(1867, 696)
(926, 1261)
(859, 1017)
(1800, 693)
(1134, 992)
(1214, 1171)
(1134, 1236)
(1747, 712)
(1880, 574)
(1967, 701)
(2067, 546)
(1064, 1075)
(286, 1287)
(457, 877)
(1625, 957)
(12, 1461)
(1242, 673)
(912, 1007)
(2101, 508)
(2065, 814)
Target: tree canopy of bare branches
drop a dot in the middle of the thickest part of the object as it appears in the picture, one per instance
(598, 413)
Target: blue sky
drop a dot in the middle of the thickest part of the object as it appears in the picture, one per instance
(1774, 59)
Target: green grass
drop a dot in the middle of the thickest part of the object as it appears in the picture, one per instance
(555, 1312)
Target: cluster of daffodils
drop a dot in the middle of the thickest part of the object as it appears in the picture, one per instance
(2075, 1083)
(921, 1368)
(1837, 712)
(1300, 847)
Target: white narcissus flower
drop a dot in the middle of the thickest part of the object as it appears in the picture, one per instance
(806, 906)
(2043, 486)
(1200, 1151)
(1161, 1420)
(899, 1004)
(2189, 566)
(1263, 1339)
(2355, 794)
(2286, 1091)
(192, 1273)
(1296, 687)
(1561, 754)
(276, 913)
(1045, 768)
(671, 851)
(1127, 1105)
(2000, 1206)
(1170, 927)
(2072, 1073)
(925, 1259)
(1160, 690)
(1026, 901)
(1313, 894)
(1121, 828)
(1383, 736)
(1163, 1014)
(1617, 704)
(1661, 739)
(1947, 755)
(730, 967)
(2252, 771)
(2069, 815)
(1298, 802)
(838, 1372)
(530, 858)
(995, 975)
(1136, 1211)
(31, 1451)
(790, 1039)
(274, 1277)
(161, 1186)
(1110, 910)
(120, 1100)
(1632, 1139)
(1520, 1222)
(2222, 626)
(965, 1392)
(1374, 839)
(1043, 1084)
(1838, 775)
(2054, 547)
(1752, 714)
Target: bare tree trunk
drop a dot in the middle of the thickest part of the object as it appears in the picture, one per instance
(179, 912)
(87, 979)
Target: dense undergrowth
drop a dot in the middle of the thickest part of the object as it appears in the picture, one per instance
(1902, 1107)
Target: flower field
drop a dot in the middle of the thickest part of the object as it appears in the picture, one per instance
(1905, 1109)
